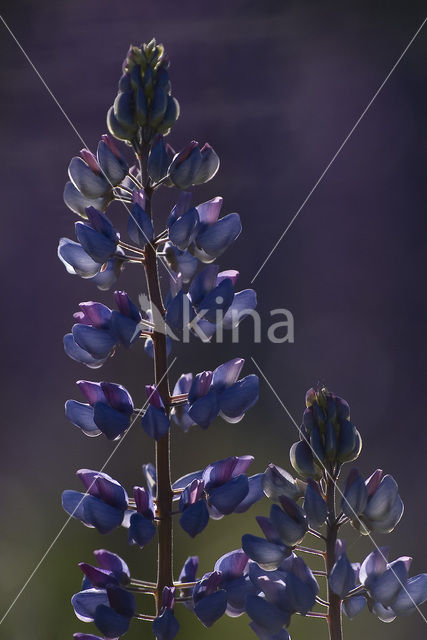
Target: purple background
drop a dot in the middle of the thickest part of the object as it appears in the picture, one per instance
(275, 87)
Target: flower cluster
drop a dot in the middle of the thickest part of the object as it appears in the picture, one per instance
(267, 578)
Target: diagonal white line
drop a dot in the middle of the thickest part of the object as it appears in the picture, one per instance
(340, 148)
(356, 517)
(70, 517)
(68, 119)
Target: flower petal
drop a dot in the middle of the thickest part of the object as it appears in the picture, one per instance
(81, 415)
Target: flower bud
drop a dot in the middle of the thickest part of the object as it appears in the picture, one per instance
(185, 165)
(289, 521)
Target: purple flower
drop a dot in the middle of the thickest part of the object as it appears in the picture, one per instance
(99, 329)
(166, 626)
(141, 526)
(112, 570)
(155, 420)
(97, 236)
(108, 409)
(111, 609)
(103, 505)
(210, 601)
(220, 489)
(216, 393)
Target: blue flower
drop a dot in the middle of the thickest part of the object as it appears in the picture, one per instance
(155, 420)
(103, 505)
(140, 227)
(216, 393)
(289, 521)
(342, 578)
(166, 626)
(111, 609)
(234, 570)
(93, 178)
(384, 507)
(99, 329)
(220, 489)
(97, 236)
(141, 524)
(210, 601)
(193, 165)
(314, 504)
(112, 570)
(108, 409)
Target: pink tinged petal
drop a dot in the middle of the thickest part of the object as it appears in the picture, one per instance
(90, 160)
(183, 384)
(244, 302)
(200, 386)
(381, 501)
(231, 274)
(96, 314)
(227, 374)
(112, 562)
(99, 578)
(103, 486)
(209, 211)
(219, 472)
(191, 493)
(153, 396)
(373, 482)
(117, 397)
(90, 184)
(232, 565)
(92, 391)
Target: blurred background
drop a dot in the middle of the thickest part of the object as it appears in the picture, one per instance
(274, 86)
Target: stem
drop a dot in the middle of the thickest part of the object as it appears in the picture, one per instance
(334, 613)
(315, 552)
(164, 489)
